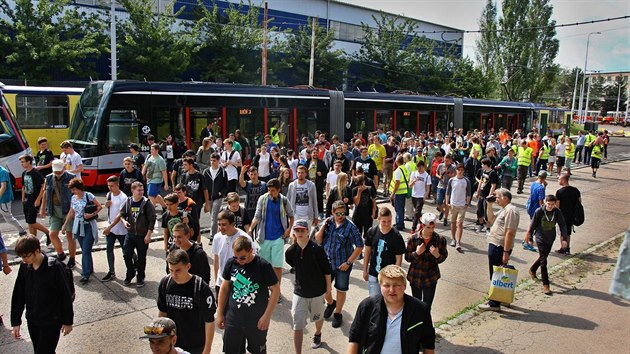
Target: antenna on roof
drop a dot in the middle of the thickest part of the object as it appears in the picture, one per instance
(91, 79)
(358, 89)
(145, 79)
(374, 89)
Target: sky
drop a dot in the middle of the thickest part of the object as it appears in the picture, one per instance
(608, 51)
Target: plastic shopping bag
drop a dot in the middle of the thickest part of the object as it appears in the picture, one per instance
(503, 284)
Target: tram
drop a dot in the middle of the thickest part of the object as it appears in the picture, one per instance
(112, 114)
(13, 144)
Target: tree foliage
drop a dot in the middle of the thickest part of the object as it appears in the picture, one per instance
(613, 93)
(523, 49)
(231, 40)
(393, 57)
(153, 46)
(46, 38)
(294, 52)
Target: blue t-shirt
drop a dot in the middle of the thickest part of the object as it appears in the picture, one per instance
(273, 225)
(7, 196)
(537, 193)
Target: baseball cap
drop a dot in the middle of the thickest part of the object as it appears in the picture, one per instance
(57, 165)
(159, 328)
(428, 218)
(300, 224)
(542, 174)
(134, 146)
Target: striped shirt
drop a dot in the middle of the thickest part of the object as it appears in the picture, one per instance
(340, 242)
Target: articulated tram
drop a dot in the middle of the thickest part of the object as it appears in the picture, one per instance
(112, 114)
(12, 140)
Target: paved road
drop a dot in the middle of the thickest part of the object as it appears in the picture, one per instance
(111, 314)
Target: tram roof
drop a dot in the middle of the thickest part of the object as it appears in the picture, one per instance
(497, 104)
(395, 97)
(214, 89)
(41, 90)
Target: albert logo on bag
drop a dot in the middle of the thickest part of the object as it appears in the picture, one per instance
(504, 282)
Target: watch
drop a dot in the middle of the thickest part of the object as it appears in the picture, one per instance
(349, 263)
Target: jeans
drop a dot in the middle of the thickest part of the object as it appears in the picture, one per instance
(495, 258)
(541, 165)
(135, 242)
(530, 169)
(374, 288)
(578, 153)
(587, 155)
(44, 337)
(424, 294)
(86, 242)
(399, 206)
(418, 203)
(506, 182)
(5, 210)
(543, 252)
(522, 175)
(111, 241)
(215, 207)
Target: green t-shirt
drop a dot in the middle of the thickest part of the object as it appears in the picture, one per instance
(155, 166)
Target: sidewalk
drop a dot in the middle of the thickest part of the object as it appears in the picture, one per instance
(579, 317)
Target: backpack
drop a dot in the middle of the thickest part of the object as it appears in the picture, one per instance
(197, 288)
(578, 216)
(90, 207)
(68, 279)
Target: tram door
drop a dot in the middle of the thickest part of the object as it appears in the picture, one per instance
(384, 120)
(250, 121)
(280, 127)
(200, 117)
(426, 121)
(361, 122)
(406, 121)
(543, 121)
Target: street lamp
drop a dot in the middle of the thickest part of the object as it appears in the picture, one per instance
(588, 40)
(588, 92)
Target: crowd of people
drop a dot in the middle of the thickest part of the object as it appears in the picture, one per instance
(321, 199)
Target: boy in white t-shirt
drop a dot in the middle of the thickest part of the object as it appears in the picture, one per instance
(419, 182)
(222, 244)
(115, 201)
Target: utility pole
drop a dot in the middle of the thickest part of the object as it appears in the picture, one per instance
(588, 40)
(588, 94)
(112, 30)
(577, 74)
(263, 80)
(618, 93)
(311, 69)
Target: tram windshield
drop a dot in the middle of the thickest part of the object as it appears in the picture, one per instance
(89, 113)
(12, 140)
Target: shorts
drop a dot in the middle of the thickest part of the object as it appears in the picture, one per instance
(595, 162)
(303, 308)
(55, 222)
(341, 279)
(481, 208)
(30, 212)
(552, 159)
(560, 161)
(273, 252)
(380, 175)
(458, 214)
(153, 189)
(567, 163)
(388, 169)
(441, 195)
(238, 334)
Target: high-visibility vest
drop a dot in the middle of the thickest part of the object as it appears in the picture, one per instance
(411, 166)
(570, 151)
(404, 178)
(590, 138)
(596, 152)
(478, 148)
(524, 156)
(544, 152)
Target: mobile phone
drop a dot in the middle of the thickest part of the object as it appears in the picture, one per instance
(492, 198)
(184, 214)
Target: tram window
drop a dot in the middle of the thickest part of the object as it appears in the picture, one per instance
(360, 121)
(279, 127)
(42, 111)
(310, 121)
(384, 120)
(250, 121)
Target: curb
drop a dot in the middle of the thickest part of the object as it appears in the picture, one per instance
(447, 326)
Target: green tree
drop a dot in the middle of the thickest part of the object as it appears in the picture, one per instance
(152, 45)
(613, 93)
(231, 42)
(524, 48)
(43, 38)
(487, 54)
(596, 93)
(294, 52)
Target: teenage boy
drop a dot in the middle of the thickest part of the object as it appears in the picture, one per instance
(44, 157)
(223, 241)
(56, 204)
(194, 182)
(343, 244)
(115, 231)
(420, 183)
(187, 206)
(215, 183)
(241, 220)
(303, 197)
(136, 156)
(162, 336)
(32, 195)
(231, 161)
(154, 172)
(138, 216)
(42, 288)
(488, 181)
(458, 196)
(128, 175)
(383, 246)
(198, 258)
(187, 299)
(312, 282)
(171, 216)
(71, 159)
(249, 294)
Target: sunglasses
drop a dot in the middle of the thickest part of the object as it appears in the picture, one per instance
(241, 258)
(342, 213)
(156, 331)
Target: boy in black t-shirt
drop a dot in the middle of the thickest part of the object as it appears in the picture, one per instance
(32, 194)
(128, 175)
(44, 157)
(187, 299)
(198, 258)
(488, 181)
(242, 219)
(383, 246)
(249, 292)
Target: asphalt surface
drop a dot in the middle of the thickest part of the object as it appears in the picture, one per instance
(109, 316)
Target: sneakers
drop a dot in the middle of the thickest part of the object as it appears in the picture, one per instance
(488, 307)
(445, 222)
(128, 280)
(71, 262)
(564, 250)
(140, 284)
(594, 175)
(61, 257)
(479, 228)
(84, 280)
(48, 242)
(329, 309)
(109, 277)
(317, 341)
(458, 247)
(441, 216)
(533, 275)
(529, 247)
(487, 231)
(337, 320)
(519, 192)
(453, 243)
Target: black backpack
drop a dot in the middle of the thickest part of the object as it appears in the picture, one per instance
(578, 216)
(67, 272)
